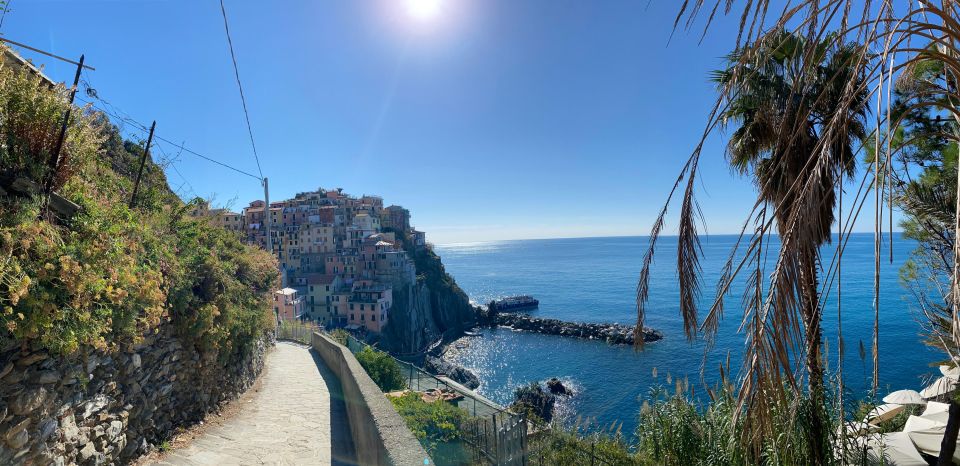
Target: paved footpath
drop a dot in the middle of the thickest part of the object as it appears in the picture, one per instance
(297, 417)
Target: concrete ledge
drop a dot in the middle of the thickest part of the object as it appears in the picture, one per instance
(380, 435)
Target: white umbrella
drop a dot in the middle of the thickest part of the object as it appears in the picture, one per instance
(935, 407)
(915, 423)
(941, 386)
(929, 440)
(895, 448)
(938, 417)
(953, 372)
(904, 397)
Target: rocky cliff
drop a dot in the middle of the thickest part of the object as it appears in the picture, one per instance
(424, 312)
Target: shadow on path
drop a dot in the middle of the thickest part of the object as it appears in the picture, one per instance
(341, 440)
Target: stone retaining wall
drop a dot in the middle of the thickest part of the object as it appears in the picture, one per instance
(380, 435)
(111, 408)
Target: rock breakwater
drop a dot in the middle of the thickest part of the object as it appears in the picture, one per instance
(616, 334)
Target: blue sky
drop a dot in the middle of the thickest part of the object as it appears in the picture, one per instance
(495, 119)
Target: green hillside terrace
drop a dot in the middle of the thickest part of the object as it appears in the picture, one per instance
(110, 274)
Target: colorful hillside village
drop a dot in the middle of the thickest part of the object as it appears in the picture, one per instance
(340, 256)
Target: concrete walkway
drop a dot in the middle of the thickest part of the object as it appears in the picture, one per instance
(297, 417)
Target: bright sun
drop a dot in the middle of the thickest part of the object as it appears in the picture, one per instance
(423, 10)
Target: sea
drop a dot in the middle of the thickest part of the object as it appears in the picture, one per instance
(595, 279)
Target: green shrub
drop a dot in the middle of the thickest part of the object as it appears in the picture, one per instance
(432, 423)
(565, 445)
(111, 274)
(340, 336)
(382, 368)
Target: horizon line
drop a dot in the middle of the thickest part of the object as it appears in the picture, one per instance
(456, 243)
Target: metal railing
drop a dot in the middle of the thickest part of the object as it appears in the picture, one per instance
(491, 434)
(295, 330)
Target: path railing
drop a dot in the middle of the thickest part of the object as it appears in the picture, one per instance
(492, 435)
(295, 330)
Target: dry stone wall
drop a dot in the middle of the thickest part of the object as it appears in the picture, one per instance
(109, 408)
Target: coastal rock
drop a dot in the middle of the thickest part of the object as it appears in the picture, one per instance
(558, 388)
(432, 309)
(533, 400)
(463, 376)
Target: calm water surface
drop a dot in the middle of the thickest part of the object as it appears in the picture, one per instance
(594, 280)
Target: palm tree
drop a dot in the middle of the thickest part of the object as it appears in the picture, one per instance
(797, 132)
(768, 92)
(897, 37)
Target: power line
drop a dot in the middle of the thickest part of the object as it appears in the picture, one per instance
(6, 8)
(58, 57)
(183, 148)
(243, 99)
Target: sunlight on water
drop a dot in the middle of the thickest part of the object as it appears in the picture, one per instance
(594, 279)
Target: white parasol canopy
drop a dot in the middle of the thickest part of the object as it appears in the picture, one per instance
(952, 372)
(935, 407)
(915, 423)
(941, 386)
(895, 448)
(904, 397)
(929, 440)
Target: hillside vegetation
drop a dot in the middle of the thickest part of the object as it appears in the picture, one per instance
(110, 275)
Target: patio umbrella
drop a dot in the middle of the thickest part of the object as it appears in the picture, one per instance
(953, 372)
(883, 412)
(904, 397)
(895, 448)
(935, 407)
(928, 441)
(941, 386)
(915, 423)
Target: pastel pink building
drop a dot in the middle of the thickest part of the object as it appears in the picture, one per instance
(287, 304)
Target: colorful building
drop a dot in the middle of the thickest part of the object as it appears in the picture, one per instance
(287, 304)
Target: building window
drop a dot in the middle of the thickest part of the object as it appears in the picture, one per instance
(351, 306)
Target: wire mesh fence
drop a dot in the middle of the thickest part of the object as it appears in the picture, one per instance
(295, 330)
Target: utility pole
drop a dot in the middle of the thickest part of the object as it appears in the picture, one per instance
(55, 156)
(143, 161)
(266, 214)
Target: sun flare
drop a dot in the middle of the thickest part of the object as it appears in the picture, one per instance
(423, 10)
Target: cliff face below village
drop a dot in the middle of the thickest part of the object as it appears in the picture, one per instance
(432, 308)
